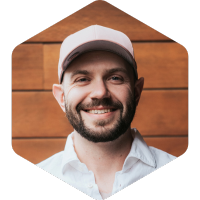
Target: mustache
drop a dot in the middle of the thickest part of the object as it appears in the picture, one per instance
(99, 102)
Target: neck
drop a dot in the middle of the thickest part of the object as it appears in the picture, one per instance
(103, 157)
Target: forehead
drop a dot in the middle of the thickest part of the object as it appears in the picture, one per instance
(99, 61)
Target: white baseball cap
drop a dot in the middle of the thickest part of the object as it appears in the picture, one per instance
(94, 38)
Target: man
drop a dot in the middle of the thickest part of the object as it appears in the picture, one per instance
(99, 91)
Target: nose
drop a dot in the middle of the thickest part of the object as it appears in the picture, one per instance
(99, 90)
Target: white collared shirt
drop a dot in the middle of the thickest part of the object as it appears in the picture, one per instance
(140, 161)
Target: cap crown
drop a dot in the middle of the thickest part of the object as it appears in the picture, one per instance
(89, 34)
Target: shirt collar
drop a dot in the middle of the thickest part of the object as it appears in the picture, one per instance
(139, 151)
(69, 155)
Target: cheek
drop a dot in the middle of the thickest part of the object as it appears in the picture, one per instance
(75, 95)
(122, 93)
(70, 88)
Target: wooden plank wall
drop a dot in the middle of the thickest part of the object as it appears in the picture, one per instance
(40, 128)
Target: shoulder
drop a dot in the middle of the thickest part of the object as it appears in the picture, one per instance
(161, 157)
(51, 163)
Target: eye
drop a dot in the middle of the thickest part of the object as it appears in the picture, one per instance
(115, 78)
(82, 80)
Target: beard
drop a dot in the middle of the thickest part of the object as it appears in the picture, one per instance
(106, 134)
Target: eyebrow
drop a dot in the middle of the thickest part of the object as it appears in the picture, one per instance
(109, 71)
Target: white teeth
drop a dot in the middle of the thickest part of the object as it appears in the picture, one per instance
(99, 111)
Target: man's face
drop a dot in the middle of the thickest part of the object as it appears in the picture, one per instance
(99, 99)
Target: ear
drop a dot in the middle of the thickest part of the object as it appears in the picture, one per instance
(59, 95)
(138, 89)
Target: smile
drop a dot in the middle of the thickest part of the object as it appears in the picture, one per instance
(100, 111)
(97, 113)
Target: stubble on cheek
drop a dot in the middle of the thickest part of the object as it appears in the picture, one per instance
(73, 117)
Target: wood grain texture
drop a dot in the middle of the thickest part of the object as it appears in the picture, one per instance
(27, 67)
(101, 13)
(172, 145)
(37, 150)
(163, 65)
(162, 112)
(37, 114)
(51, 58)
